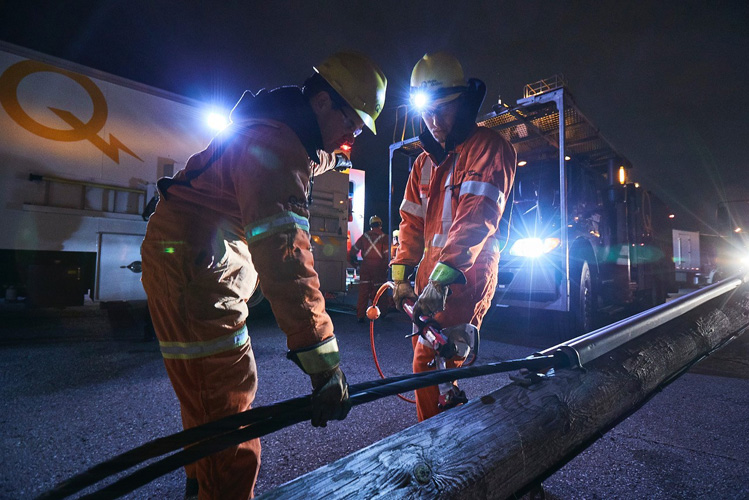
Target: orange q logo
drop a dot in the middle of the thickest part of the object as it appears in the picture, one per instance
(12, 78)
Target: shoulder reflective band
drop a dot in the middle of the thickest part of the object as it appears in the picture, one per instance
(412, 208)
(483, 189)
(194, 350)
(275, 224)
(318, 358)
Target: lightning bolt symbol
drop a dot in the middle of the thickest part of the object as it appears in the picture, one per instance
(111, 148)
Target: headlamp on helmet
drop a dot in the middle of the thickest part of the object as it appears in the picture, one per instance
(436, 79)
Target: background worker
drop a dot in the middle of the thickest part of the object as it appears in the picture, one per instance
(237, 216)
(450, 213)
(374, 247)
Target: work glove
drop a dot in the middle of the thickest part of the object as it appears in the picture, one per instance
(329, 389)
(330, 399)
(432, 298)
(463, 337)
(403, 289)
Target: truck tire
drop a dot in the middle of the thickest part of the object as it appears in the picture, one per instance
(582, 301)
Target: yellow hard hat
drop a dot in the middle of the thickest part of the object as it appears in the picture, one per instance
(375, 220)
(436, 79)
(359, 81)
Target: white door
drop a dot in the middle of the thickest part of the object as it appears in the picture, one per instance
(118, 269)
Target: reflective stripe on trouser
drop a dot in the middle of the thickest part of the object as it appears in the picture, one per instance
(372, 274)
(467, 303)
(194, 350)
(210, 388)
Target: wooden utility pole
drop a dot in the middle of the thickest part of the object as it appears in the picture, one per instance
(500, 444)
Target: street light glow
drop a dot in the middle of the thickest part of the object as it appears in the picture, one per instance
(217, 121)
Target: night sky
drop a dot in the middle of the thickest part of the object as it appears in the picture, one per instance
(665, 82)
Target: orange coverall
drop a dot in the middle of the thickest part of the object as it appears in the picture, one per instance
(374, 247)
(450, 213)
(208, 244)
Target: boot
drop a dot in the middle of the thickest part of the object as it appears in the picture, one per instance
(191, 488)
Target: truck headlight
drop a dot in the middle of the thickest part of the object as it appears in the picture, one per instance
(745, 260)
(534, 247)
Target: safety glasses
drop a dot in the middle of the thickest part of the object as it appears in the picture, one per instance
(439, 110)
(349, 123)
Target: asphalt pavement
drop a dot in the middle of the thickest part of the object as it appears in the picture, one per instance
(81, 385)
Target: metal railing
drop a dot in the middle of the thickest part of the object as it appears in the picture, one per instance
(541, 86)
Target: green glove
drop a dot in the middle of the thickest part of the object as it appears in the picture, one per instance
(330, 399)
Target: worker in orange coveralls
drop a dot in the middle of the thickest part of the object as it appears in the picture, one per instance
(373, 246)
(237, 215)
(450, 215)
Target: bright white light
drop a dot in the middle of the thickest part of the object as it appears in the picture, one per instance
(217, 121)
(420, 100)
(745, 260)
(534, 247)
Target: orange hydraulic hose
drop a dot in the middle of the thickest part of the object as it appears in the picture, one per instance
(373, 315)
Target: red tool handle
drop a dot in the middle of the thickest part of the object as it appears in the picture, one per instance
(436, 338)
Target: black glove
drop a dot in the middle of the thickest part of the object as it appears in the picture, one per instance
(330, 399)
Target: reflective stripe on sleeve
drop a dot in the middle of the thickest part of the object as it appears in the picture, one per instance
(282, 221)
(439, 240)
(194, 350)
(412, 208)
(483, 189)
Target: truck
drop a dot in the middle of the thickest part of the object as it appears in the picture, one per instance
(81, 152)
(579, 238)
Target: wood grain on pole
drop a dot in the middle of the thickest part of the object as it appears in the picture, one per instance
(499, 444)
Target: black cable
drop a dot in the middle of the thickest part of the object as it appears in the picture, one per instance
(210, 438)
(167, 444)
